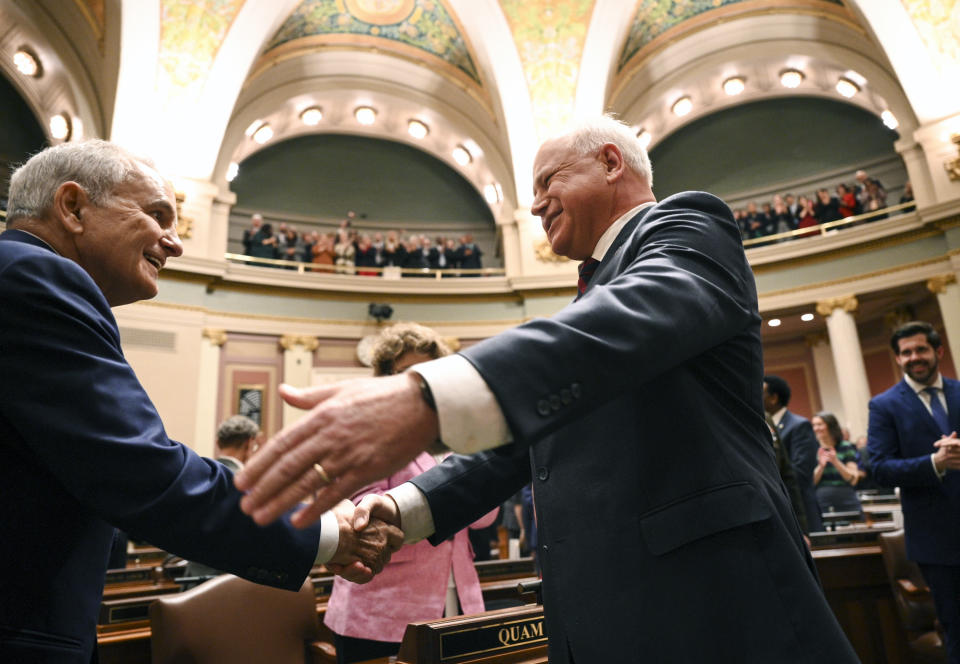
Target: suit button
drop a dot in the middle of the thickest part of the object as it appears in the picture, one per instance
(554, 402)
(542, 473)
(565, 396)
(543, 407)
(545, 548)
(575, 390)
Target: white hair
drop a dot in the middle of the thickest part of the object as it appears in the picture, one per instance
(96, 165)
(589, 135)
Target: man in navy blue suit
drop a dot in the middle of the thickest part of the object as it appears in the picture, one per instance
(912, 442)
(82, 449)
(796, 434)
(635, 412)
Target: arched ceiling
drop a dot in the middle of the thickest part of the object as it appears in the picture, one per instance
(495, 74)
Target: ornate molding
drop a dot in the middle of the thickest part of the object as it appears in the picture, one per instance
(217, 336)
(184, 224)
(939, 283)
(953, 166)
(848, 303)
(290, 341)
(544, 252)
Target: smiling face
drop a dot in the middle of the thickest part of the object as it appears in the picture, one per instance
(821, 431)
(126, 241)
(572, 199)
(918, 359)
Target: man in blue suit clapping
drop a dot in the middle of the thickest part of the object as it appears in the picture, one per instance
(912, 441)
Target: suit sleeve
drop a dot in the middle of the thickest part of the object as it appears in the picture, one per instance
(890, 468)
(82, 415)
(463, 488)
(683, 288)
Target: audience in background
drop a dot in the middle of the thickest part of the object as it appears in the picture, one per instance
(836, 473)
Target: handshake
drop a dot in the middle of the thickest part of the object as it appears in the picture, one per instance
(369, 534)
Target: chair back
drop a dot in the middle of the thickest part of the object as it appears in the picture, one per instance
(910, 590)
(233, 620)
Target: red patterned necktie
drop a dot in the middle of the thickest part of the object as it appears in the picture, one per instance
(586, 270)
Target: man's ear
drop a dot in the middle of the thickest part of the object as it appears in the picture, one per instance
(612, 160)
(68, 202)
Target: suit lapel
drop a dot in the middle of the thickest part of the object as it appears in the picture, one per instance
(912, 401)
(603, 273)
(951, 390)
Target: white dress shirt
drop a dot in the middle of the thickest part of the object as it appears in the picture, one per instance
(925, 400)
(469, 416)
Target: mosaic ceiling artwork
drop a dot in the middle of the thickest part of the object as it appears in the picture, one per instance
(655, 17)
(191, 32)
(938, 22)
(549, 35)
(425, 25)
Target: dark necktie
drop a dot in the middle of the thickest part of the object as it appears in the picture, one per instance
(937, 410)
(586, 270)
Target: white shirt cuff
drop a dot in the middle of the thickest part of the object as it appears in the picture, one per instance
(416, 520)
(469, 415)
(935, 471)
(329, 537)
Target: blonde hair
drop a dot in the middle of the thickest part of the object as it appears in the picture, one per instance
(402, 338)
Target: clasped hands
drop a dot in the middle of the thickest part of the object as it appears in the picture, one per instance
(367, 541)
(356, 431)
(947, 456)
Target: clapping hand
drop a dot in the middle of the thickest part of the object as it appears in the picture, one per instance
(947, 456)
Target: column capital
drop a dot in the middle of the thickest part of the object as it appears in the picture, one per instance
(848, 303)
(290, 341)
(939, 283)
(815, 339)
(216, 336)
(952, 166)
(544, 252)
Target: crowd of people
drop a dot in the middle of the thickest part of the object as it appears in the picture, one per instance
(787, 212)
(353, 252)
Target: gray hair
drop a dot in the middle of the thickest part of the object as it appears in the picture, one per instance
(589, 135)
(236, 430)
(97, 166)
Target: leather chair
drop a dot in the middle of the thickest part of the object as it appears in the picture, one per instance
(913, 600)
(232, 620)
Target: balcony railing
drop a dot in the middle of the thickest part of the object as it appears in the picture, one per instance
(388, 272)
(825, 228)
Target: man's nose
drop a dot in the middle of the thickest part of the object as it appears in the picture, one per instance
(171, 242)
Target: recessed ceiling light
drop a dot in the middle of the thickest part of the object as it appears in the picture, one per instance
(263, 134)
(806, 318)
(233, 169)
(682, 106)
(847, 88)
(644, 137)
(417, 129)
(734, 85)
(365, 115)
(889, 119)
(311, 116)
(791, 78)
(461, 155)
(492, 193)
(26, 63)
(252, 127)
(774, 322)
(60, 126)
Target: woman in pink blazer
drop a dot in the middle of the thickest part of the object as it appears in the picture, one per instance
(422, 581)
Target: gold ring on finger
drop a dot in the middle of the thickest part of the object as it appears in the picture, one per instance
(322, 473)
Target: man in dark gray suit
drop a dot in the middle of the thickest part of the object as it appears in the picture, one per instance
(796, 434)
(665, 533)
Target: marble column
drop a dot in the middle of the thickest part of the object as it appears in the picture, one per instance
(948, 297)
(297, 368)
(208, 390)
(826, 375)
(847, 360)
